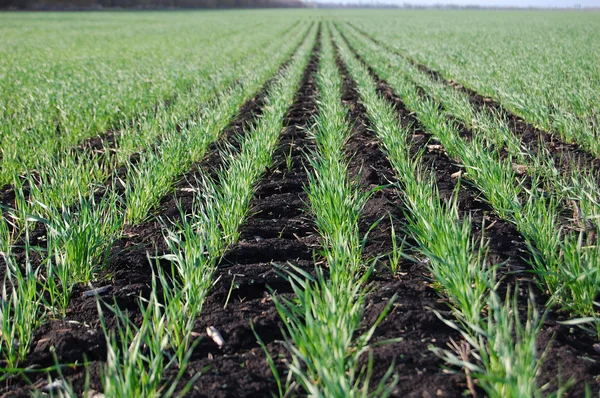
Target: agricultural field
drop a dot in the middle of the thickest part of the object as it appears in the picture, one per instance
(323, 203)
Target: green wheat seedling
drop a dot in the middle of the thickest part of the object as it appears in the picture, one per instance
(196, 245)
(580, 193)
(501, 352)
(17, 217)
(176, 301)
(237, 179)
(79, 241)
(150, 177)
(60, 181)
(6, 238)
(289, 161)
(336, 204)
(456, 262)
(321, 322)
(395, 256)
(579, 277)
(139, 354)
(20, 307)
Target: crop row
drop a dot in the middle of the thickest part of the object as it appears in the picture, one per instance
(322, 319)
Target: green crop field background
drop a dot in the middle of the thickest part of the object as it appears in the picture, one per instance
(300, 202)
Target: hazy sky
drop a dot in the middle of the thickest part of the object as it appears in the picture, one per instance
(511, 3)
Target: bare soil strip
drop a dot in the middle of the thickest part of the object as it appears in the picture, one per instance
(128, 274)
(419, 369)
(278, 232)
(563, 153)
(570, 352)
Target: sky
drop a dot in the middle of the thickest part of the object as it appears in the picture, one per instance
(506, 3)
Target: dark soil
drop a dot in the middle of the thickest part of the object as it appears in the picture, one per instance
(419, 369)
(507, 247)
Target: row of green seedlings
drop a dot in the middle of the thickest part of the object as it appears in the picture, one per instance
(77, 244)
(322, 320)
(500, 350)
(142, 356)
(569, 117)
(573, 187)
(565, 259)
(114, 102)
(59, 180)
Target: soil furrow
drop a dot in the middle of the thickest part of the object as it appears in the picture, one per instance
(278, 232)
(372, 170)
(507, 248)
(128, 273)
(419, 370)
(566, 155)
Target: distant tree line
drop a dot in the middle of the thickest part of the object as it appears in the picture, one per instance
(143, 4)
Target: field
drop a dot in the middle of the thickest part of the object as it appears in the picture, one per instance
(323, 203)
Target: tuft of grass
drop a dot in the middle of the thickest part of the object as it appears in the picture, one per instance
(20, 305)
(78, 244)
(196, 245)
(139, 354)
(501, 352)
